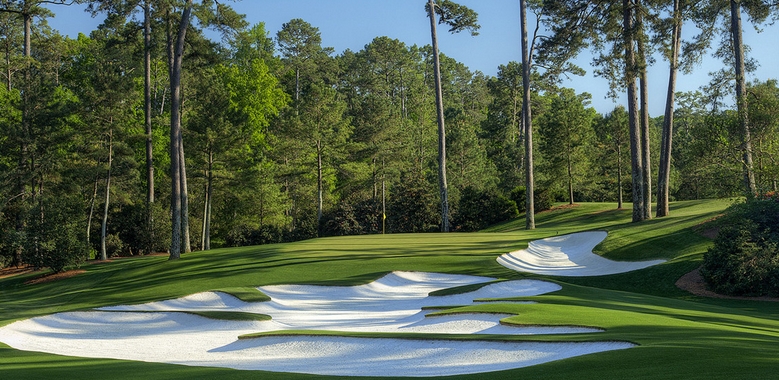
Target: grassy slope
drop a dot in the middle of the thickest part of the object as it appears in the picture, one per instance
(681, 336)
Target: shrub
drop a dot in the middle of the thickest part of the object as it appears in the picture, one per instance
(413, 207)
(358, 218)
(12, 242)
(340, 222)
(243, 235)
(744, 259)
(305, 226)
(57, 240)
(519, 196)
(113, 245)
(129, 222)
(543, 199)
(479, 209)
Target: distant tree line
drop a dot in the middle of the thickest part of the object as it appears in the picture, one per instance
(282, 139)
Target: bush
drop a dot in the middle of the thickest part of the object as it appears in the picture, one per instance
(306, 226)
(519, 196)
(113, 245)
(131, 226)
(543, 199)
(12, 242)
(340, 221)
(358, 218)
(744, 259)
(57, 241)
(413, 207)
(479, 209)
(243, 235)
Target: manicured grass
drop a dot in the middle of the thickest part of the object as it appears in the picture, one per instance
(680, 335)
(246, 294)
(231, 315)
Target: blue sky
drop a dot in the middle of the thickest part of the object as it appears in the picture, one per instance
(351, 24)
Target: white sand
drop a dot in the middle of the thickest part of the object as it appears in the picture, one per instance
(391, 304)
(569, 255)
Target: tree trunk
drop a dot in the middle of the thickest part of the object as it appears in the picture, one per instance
(26, 133)
(8, 46)
(442, 185)
(570, 178)
(184, 196)
(741, 98)
(375, 179)
(205, 214)
(530, 221)
(27, 31)
(319, 187)
(103, 253)
(637, 169)
(205, 239)
(92, 210)
(175, 131)
(383, 205)
(297, 87)
(619, 176)
(147, 114)
(209, 198)
(646, 208)
(664, 173)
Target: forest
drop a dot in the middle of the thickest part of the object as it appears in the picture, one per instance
(277, 138)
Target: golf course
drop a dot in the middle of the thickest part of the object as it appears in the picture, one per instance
(664, 332)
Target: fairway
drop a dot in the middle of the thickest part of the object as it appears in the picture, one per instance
(678, 335)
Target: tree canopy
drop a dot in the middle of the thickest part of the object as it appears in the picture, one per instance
(282, 138)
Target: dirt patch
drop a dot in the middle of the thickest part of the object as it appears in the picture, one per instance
(54, 277)
(708, 228)
(564, 207)
(710, 233)
(13, 271)
(24, 269)
(693, 283)
(112, 259)
(557, 208)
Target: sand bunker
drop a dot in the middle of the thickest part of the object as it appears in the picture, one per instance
(160, 332)
(569, 255)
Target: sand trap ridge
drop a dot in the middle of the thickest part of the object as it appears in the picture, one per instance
(569, 255)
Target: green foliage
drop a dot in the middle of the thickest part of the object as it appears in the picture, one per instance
(565, 134)
(542, 198)
(413, 207)
(54, 239)
(340, 221)
(257, 125)
(352, 218)
(519, 196)
(478, 209)
(243, 235)
(501, 127)
(114, 245)
(457, 17)
(130, 227)
(745, 257)
(612, 153)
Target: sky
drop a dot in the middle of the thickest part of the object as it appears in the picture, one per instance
(351, 24)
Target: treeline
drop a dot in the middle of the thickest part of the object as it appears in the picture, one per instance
(282, 139)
